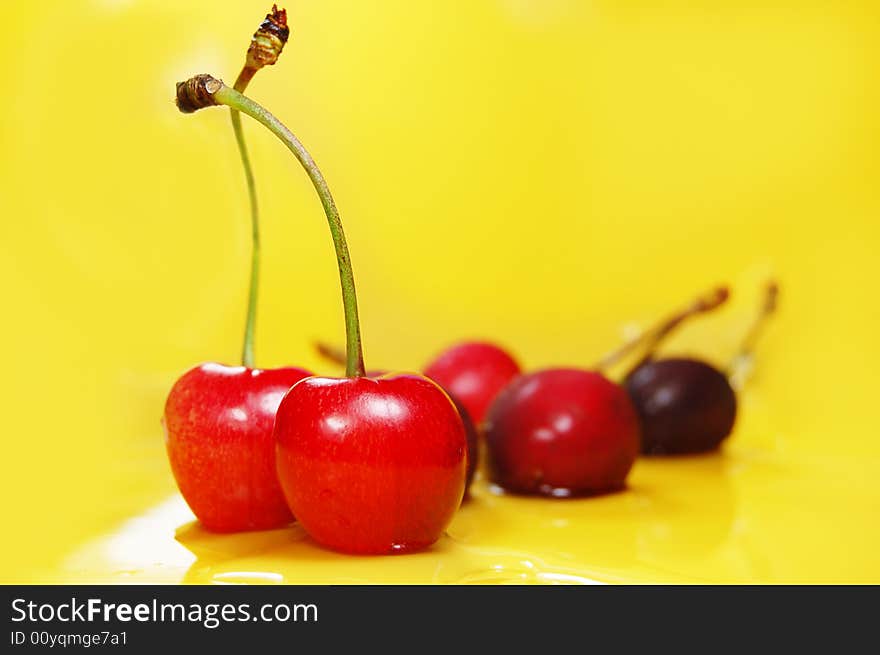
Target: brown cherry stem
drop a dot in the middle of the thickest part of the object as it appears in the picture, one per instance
(332, 354)
(651, 338)
(742, 361)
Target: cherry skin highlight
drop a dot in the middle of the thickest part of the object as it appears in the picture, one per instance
(218, 434)
(684, 405)
(473, 372)
(371, 465)
(562, 432)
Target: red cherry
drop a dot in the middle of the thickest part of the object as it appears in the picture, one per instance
(368, 465)
(562, 432)
(218, 426)
(474, 373)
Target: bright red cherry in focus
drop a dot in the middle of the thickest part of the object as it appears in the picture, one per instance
(218, 425)
(366, 465)
(562, 432)
(371, 465)
(474, 373)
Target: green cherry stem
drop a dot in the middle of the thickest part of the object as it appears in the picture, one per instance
(204, 91)
(266, 46)
(354, 366)
(247, 351)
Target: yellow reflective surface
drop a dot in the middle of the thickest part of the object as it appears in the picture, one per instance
(544, 173)
(744, 517)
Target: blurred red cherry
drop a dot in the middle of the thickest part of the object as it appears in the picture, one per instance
(473, 372)
(561, 432)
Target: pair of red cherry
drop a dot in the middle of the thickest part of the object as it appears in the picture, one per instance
(367, 464)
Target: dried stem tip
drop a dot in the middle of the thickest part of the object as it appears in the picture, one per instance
(771, 298)
(197, 93)
(269, 39)
(711, 300)
(701, 305)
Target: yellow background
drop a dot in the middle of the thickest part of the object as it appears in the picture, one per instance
(537, 172)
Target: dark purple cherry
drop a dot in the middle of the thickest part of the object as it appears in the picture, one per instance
(684, 405)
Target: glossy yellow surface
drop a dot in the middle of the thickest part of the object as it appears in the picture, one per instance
(541, 172)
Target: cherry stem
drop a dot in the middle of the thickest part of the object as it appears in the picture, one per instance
(652, 337)
(247, 351)
(224, 95)
(330, 353)
(745, 355)
(265, 47)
